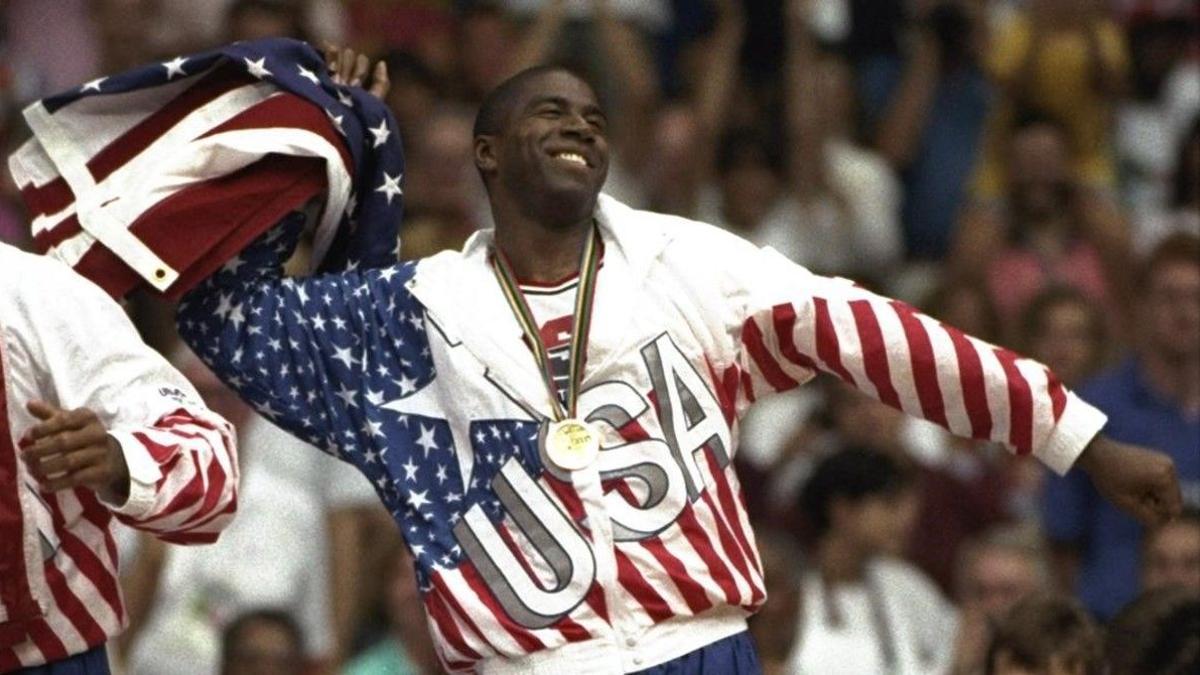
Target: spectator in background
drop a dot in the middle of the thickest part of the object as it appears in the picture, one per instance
(1157, 634)
(864, 611)
(1065, 331)
(1048, 231)
(256, 19)
(776, 626)
(445, 198)
(847, 199)
(1049, 635)
(995, 572)
(1067, 61)
(414, 94)
(947, 508)
(1171, 554)
(275, 555)
(1153, 123)
(405, 649)
(1153, 398)
(261, 642)
(925, 107)
(1182, 212)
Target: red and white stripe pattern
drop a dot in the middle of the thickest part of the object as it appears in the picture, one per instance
(194, 501)
(220, 148)
(909, 361)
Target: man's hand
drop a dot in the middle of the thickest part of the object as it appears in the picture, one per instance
(347, 66)
(1138, 480)
(71, 448)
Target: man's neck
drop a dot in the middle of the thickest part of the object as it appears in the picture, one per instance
(540, 253)
(1177, 380)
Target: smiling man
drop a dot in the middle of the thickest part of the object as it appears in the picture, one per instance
(551, 413)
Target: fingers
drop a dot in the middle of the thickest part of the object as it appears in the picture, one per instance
(92, 476)
(380, 84)
(66, 463)
(361, 65)
(55, 420)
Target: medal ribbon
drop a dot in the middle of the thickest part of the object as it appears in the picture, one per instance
(581, 322)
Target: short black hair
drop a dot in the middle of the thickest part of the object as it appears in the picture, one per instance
(1158, 633)
(232, 634)
(497, 105)
(1043, 627)
(854, 474)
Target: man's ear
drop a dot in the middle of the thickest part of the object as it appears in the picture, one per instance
(485, 155)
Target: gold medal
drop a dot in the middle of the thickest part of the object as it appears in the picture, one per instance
(572, 444)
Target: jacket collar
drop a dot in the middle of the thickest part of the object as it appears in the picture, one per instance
(464, 301)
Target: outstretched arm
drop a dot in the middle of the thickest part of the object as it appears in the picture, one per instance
(799, 323)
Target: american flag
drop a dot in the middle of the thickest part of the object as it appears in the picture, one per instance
(160, 174)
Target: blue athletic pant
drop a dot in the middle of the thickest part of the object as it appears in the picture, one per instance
(735, 655)
(92, 662)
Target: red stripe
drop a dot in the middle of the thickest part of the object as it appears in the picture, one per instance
(69, 605)
(732, 552)
(784, 318)
(701, 541)
(8, 660)
(447, 596)
(632, 580)
(730, 509)
(1058, 395)
(924, 365)
(752, 337)
(527, 640)
(55, 196)
(100, 517)
(448, 626)
(568, 497)
(695, 597)
(595, 599)
(726, 388)
(507, 536)
(287, 111)
(571, 630)
(874, 352)
(15, 593)
(86, 562)
(747, 386)
(1020, 404)
(828, 349)
(974, 390)
(47, 642)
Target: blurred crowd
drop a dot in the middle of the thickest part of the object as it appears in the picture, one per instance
(1026, 170)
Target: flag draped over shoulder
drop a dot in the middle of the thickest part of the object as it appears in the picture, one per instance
(161, 174)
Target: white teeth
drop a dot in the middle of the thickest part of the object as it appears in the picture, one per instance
(572, 157)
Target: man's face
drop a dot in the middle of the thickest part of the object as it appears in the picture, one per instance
(263, 649)
(1066, 341)
(1039, 176)
(1172, 557)
(553, 148)
(1172, 302)
(997, 579)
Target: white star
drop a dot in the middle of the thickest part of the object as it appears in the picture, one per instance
(347, 396)
(344, 355)
(479, 437)
(309, 75)
(257, 68)
(374, 429)
(418, 550)
(426, 440)
(224, 304)
(381, 133)
(302, 294)
(94, 85)
(234, 264)
(375, 398)
(410, 470)
(340, 324)
(407, 385)
(318, 322)
(418, 499)
(387, 273)
(345, 98)
(175, 67)
(337, 122)
(351, 204)
(441, 474)
(391, 186)
(370, 455)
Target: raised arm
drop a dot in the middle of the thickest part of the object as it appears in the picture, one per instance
(310, 354)
(113, 416)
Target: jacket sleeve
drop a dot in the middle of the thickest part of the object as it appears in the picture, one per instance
(791, 324)
(319, 356)
(83, 352)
